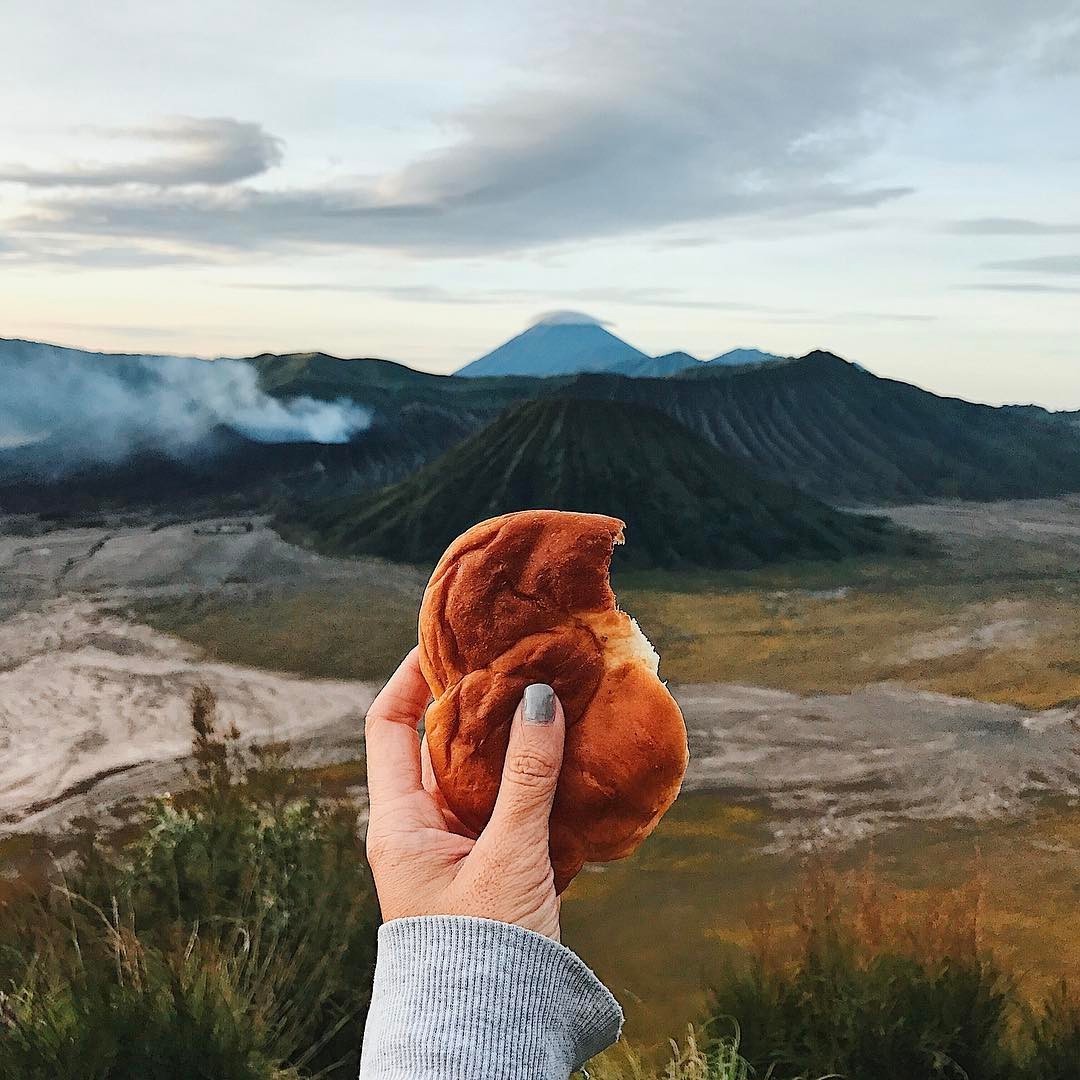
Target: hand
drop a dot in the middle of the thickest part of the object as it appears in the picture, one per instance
(423, 860)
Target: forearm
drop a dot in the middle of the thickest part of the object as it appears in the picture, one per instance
(464, 998)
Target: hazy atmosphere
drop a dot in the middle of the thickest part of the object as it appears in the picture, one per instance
(898, 184)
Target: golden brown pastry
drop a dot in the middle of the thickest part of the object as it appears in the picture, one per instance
(525, 598)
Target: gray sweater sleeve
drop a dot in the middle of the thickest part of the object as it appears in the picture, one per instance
(457, 998)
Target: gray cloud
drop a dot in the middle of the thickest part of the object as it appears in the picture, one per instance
(1042, 264)
(112, 257)
(568, 318)
(637, 297)
(246, 219)
(203, 150)
(1007, 226)
(434, 294)
(639, 118)
(886, 316)
(1020, 287)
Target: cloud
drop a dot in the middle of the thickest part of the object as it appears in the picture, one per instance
(433, 294)
(1042, 264)
(568, 318)
(1007, 226)
(111, 257)
(1020, 287)
(637, 118)
(885, 316)
(208, 150)
(657, 297)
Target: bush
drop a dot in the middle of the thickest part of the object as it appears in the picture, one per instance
(233, 940)
(876, 994)
(1054, 1052)
(692, 1061)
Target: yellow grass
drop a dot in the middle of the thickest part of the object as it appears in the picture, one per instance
(1020, 651)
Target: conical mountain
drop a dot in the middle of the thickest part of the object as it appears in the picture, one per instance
(562, 343)
(685, 503)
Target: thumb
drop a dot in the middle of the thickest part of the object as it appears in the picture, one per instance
(531, 769)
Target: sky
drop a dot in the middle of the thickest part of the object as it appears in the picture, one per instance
(899, 184)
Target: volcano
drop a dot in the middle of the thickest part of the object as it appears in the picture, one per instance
(562, 343)
(685, 503)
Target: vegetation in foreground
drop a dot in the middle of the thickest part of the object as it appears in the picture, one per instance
(232, 938)
(862, 987)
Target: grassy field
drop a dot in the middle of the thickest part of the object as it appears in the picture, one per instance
(340, 633)
(665, 924)
(992, 622)
(1012, 646)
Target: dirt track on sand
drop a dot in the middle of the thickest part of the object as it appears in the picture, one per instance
(94, 707)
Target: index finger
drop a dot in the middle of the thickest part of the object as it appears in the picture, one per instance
(393, 743)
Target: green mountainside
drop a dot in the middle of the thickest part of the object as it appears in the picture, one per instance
(845, 435)
(685, 503)
(829, 427)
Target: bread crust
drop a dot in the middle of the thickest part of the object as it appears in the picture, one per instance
(525, 598)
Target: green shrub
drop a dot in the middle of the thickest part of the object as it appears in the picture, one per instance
(232, 940)
(873, 994)
(1054, 1052)
(716, 1058)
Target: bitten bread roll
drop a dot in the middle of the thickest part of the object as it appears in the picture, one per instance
(525, 598)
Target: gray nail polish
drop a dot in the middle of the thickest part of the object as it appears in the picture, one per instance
(538, 704)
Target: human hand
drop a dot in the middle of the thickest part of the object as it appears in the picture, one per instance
(423, 860)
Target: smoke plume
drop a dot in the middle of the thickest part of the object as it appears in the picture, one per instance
(64, 409)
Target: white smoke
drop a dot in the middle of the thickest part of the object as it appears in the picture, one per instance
(83, 407)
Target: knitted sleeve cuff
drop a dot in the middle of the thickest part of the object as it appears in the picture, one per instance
(462, 997)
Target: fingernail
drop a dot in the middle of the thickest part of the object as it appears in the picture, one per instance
(538, 704)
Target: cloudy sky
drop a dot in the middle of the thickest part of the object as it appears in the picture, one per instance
(899, 183)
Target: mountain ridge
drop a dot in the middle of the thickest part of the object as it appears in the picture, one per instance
(685, 503)
(845, 435)
(571, 343)
(838, 432)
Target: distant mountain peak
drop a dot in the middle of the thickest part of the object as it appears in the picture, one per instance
(743, 356)
(560, 343)
(660, 367)
(574, 343)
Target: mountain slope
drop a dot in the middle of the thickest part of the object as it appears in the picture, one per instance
(82, 432)
(835, 431)
(735, 357)
(659, 367)
(322, 376)
(847, 436)
(684, 502)
(570, 343)
(558, 345)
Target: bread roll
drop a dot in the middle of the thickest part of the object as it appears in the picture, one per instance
(525, 598)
